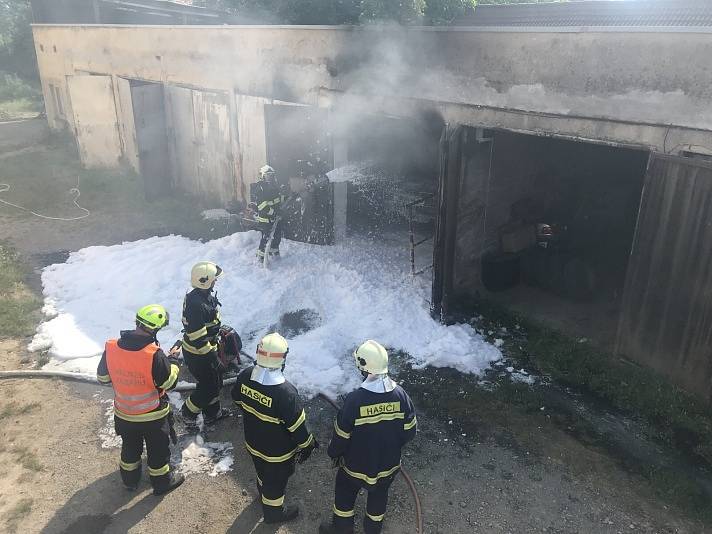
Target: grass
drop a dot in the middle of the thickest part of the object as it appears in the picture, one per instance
(671, 415)
(41, 181)
(18, 98)
(20, 510)
(19, 306)
(12, 409)
(679, 419)
(20, 108)
(28, 459)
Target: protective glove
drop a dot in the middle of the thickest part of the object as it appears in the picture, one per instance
(304, 454)
(336, 462)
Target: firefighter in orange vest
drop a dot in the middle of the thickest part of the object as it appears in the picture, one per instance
(140, 374)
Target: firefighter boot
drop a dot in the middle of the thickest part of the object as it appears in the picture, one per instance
(222, 414)
(281, 515)
(131, 478)
(171, 482)
(329, 527)
(189, 419)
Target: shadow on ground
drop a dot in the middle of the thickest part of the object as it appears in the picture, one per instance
(101, 508)
(250, 521)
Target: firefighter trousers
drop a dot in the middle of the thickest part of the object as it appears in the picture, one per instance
(206, 397)
(266, 230)
(272, 480)
(345, 493)
(156, 435)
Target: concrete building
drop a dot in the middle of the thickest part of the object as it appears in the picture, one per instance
(565, 169)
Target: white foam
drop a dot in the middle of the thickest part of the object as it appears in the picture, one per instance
(360, 289)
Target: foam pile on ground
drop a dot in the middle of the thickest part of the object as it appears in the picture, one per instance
(359, 290)
(199, 456)
(107, 433)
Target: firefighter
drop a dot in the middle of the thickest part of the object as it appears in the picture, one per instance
(140, 374)
(371, 428)
(267, 199)
(276, 433)
(201, 327)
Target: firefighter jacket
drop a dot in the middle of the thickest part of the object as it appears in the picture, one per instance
(140, 374)
(269, 198)
(274, 418)
(370, 430)
(201, 322)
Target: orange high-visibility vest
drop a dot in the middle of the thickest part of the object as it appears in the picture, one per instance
(131, 373)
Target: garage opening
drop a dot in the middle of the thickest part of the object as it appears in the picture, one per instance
(545, 227)
(390, 168)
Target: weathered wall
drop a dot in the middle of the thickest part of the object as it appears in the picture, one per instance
(644, 88)
(95, 120)
(127, 126)
(251, 139)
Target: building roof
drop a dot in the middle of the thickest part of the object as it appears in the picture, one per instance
(600, 13)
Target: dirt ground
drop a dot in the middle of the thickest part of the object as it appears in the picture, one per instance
(485, 481)
(509, 472)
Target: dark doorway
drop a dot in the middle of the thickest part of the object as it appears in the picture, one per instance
(545, 226)
(299, 149)
(151, 137)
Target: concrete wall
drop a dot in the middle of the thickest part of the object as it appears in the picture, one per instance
(646, 89)
(625, 87)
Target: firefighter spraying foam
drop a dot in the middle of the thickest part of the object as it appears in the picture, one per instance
(267, 201)
(140, 374)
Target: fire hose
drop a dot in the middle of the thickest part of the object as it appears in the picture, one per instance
(408, 480)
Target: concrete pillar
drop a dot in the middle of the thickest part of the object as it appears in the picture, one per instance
(341, 157)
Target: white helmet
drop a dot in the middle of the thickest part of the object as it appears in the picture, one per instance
(203, 274)
(266, 172)
(272, 351)
(372, 358)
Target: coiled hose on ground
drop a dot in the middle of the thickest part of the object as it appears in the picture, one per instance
(408, 480)
(29, 373)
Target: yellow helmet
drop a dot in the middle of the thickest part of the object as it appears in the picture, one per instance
(371, 357)
(153, 317)
(203, 274)
(266, 172)
(272, 351)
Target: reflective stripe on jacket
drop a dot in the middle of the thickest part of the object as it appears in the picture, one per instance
(201, 322)
(131, 374)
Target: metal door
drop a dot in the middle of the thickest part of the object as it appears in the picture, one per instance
(95, 122)
(214, 148)
(150, 123)
(666, 317)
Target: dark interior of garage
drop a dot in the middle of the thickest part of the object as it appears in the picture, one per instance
(558, 228)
